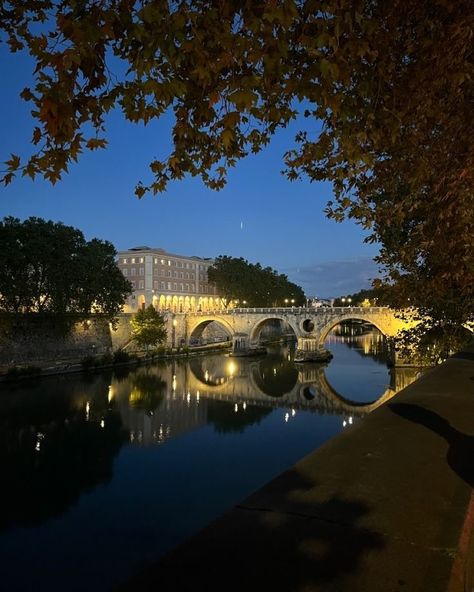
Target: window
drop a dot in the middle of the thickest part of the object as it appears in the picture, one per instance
(133, 284)
(155, 284)
(175, 274)
(169, 285)
(141, 284)
(133, 271)
(187, 287)
(181, 287)
(141, 259)
(156, 261)
(142, 271)
(169, 262)
(187, 265)
(163, 286)
(162, 272)
(125, 272)
(192, 276)
(181, 275)
(187, 276)
(162, 262)
(124, 261)
(192, 287)
(133, 259)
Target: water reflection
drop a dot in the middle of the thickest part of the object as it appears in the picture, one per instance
(54, 444)
(129, 464)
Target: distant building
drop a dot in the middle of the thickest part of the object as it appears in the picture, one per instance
(318, 302)
(177, 283)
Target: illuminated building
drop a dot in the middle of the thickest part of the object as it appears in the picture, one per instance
(168, 281)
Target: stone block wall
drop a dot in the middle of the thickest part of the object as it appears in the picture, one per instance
(33, 339)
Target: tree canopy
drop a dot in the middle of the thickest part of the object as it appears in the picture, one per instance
(387, 89)
(250, 284)
(47, 267)
(148, 327)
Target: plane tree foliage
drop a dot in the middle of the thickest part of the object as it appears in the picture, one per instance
(148, 327)
(48, 267)
(386, 89)
(250, 285)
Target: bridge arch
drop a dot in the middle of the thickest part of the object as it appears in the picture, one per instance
(257, 327)
(376, 322)
(197, 328)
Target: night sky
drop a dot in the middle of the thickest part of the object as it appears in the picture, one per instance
(259, 215)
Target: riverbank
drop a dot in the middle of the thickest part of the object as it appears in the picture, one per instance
(92, 363)
(387, 505)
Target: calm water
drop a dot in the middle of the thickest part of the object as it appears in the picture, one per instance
(103, 473)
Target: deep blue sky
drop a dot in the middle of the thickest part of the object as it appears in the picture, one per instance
(284, 225)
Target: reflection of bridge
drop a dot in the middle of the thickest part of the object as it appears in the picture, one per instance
(310, 326)
(260, 382)
(270, 382)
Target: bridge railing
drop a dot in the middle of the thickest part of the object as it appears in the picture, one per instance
(298, 310)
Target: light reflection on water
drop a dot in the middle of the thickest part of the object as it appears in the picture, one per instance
(109, 471)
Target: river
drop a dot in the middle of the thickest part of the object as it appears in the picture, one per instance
(104, 473)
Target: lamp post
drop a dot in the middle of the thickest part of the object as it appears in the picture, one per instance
(286, 301)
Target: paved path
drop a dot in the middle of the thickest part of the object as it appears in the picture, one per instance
(386, 506)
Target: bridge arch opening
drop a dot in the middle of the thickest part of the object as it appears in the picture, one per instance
(210, 331)
(274, 374)
(350, 321)
(211, 371)
(361, 335)
(272, 329)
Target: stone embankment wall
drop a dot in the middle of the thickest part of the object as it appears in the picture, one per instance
(37, 339)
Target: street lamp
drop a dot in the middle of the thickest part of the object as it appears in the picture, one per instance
(286, 301)
(343, 300)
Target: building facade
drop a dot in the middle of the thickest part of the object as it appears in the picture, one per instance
(176, 283)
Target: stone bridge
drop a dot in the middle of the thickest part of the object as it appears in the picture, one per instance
(309, 325)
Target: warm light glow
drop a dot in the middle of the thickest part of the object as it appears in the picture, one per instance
(88, 408)
(175, 322)
(111, 393)
(236, 408)
(287, 417)
(231, 368)
(102, 423)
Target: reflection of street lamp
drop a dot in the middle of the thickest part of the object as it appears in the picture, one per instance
(173, 333)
